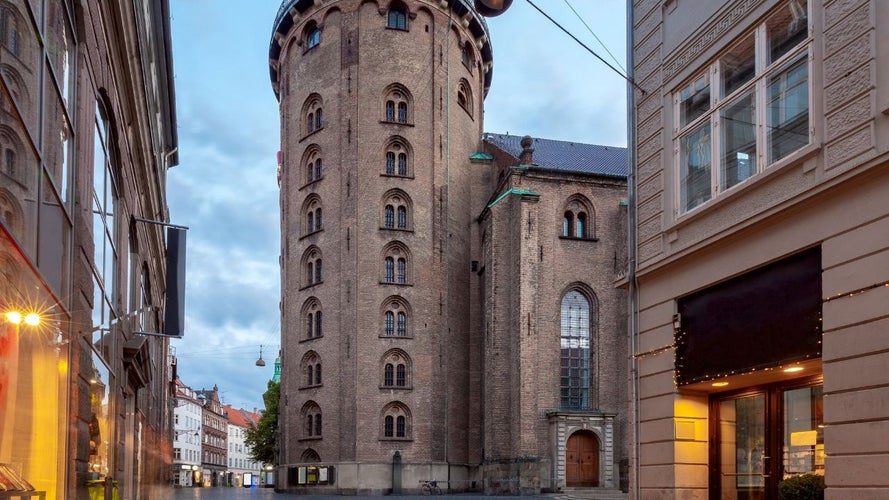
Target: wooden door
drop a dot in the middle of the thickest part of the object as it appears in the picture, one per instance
(582, 460)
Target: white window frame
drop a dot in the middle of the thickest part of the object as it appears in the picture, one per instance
(758, 85)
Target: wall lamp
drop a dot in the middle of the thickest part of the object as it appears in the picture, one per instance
(17, 318)
(677, 322)
(491, 8)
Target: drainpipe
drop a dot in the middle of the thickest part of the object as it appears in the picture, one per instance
(632, 325)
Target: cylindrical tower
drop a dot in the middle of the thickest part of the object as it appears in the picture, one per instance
(381, 108)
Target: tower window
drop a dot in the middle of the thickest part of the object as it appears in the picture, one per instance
(397, 18)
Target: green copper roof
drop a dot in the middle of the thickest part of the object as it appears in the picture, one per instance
(521, 192)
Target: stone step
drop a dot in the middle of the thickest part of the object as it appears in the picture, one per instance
(589, 494)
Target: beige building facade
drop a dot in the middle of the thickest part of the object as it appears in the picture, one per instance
(761, 222)
(427, 300)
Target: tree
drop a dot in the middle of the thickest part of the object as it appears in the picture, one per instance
(262, 438)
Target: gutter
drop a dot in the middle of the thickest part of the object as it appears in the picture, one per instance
(632, 298)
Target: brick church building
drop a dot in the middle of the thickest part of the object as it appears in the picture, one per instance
(449, 309)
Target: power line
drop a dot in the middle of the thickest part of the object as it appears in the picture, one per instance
(596, 37)
(591, 51)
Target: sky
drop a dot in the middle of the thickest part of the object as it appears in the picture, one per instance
(225, 189)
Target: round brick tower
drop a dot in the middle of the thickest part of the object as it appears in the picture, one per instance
(381, 107)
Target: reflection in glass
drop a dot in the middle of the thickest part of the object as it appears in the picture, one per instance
(694, 100)
(742, 447)
(788, 109)
(575, 351)
(803, 449)
(737, 67)
(738, 123)
(33, 374)
(694, 174)
(787, 28)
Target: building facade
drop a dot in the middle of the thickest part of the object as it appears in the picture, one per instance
(242, 470)
(760, 219)
(415, 344)
(87, 133)
(187, 425)
(214, 438)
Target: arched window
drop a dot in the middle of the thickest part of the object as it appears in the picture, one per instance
(312, 211)
(396, 369)
(312, 113)
(402, 324)
(312, 263)
(396, 421)
(312, 162)
(396, 210)
(464, 96)
(576, 365)
(311, 415)
(567, 224)
(9, 30)
(579, 219)
(311, 311)
(397, 18)
(390, 270)
(312, 35)
(402, 164)
(398, 104)
(390, 163)
(389, 328)
(402, 217)
(312, 368)
(389, 222)
(396, 264)
(401, 270)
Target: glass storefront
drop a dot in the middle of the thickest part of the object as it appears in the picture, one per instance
(765, 436)
(33, 378)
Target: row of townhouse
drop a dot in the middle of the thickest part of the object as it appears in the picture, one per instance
(208, 441)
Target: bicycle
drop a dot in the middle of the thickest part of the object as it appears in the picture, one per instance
(431, 487)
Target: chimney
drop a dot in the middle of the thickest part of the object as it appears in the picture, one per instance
(527, 155)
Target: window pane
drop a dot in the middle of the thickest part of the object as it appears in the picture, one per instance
(694, 100)
(788, 109)
(737, 121)
(402, 164)
(787, 28)
(390, 163)
(402, 324)
(694, 175)
(738, 66)
(402, 217)
(390, 323)
(803, 447)
(390, 111)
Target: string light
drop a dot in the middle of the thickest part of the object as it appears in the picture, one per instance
(856, 292)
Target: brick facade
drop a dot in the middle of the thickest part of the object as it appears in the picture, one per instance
(465, 413)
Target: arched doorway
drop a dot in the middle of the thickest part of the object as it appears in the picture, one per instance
(582, 460)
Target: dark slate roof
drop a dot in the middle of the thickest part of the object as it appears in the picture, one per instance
(567, 156)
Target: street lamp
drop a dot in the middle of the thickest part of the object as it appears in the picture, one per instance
(491, 8)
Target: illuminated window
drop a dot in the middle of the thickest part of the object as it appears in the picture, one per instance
(576, 370)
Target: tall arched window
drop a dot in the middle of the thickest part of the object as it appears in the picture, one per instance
(402, 324)
(401, 271)
(311, 414)
(395, 421)
(398, 104)
(312, 262)
(312, 114)
(311, 311)
(398, 156)
(390, 216)
(395, 319)
(312, 35)
(576, 368)
(388, 375)
(389, 328)
(390, 270)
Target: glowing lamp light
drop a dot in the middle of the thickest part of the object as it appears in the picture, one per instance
(793, 369)
(720, 384)
(14, 317)
(32, 319)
